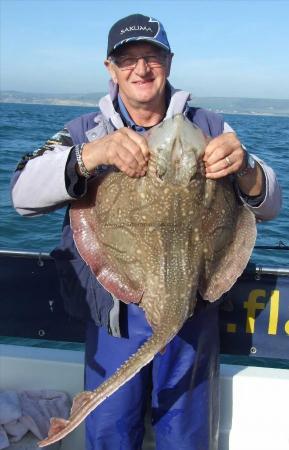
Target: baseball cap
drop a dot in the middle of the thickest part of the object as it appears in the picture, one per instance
(137, 27)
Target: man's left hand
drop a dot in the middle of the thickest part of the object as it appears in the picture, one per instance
(223, 156)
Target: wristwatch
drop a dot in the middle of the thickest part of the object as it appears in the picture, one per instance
(250, 163)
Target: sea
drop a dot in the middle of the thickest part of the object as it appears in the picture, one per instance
(25, 127)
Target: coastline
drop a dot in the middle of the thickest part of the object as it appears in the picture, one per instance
(222, 105)
(80, 104)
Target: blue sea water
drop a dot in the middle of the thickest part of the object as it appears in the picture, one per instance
(24, 128)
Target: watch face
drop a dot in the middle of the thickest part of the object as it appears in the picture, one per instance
(251, 162)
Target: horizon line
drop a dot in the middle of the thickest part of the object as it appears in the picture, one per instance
(3, 91)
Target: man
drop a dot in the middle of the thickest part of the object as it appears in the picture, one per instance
(184, 379)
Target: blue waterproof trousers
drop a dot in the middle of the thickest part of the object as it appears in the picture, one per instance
(183, 383)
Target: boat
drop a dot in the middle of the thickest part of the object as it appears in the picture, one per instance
(41, 347)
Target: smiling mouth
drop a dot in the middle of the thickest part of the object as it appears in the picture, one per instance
(143, 82)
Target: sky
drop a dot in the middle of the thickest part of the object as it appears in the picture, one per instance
(232, 48)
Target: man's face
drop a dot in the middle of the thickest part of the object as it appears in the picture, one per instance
(144, 83)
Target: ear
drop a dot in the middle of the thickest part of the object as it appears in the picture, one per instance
(169, 63)
(111, 69)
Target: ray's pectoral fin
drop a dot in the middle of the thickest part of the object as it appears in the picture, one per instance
(106, 257)
(226, 261)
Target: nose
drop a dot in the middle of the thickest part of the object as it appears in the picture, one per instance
(141, 68)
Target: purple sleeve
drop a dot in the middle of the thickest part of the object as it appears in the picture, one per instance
(270, 205)
(254, 200)
(39, 184)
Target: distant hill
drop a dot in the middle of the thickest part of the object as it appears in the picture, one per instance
(236, 105)
(227, 105)
(51, 99)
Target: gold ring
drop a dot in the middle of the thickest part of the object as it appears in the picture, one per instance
(228, 160)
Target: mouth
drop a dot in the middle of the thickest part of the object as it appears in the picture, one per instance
(143, 82)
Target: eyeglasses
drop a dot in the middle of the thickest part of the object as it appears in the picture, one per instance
(129, 62)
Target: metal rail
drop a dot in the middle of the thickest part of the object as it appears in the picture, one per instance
(267, 270)
(24, 254)
(251, 268)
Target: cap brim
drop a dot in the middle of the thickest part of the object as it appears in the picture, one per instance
(140, 39)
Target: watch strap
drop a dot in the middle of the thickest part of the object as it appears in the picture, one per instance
(248, 166)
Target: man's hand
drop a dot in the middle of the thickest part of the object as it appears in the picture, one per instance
(125, 149)
(224, 155)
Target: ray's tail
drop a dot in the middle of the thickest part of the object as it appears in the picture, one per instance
(87, 401)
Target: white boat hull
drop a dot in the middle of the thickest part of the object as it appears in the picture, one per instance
(254, 400)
